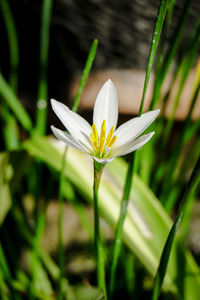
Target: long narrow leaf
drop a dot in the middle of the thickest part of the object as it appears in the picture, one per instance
(14, 104)
(85, 74)
(43, 86)
(171, 53)
(190, 188)
(127, 187)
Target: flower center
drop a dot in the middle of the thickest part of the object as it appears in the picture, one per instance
(102, 144)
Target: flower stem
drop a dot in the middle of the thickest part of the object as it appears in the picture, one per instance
(61, 250)
(98, 168)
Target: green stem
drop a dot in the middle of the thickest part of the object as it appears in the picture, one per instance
(43, 85)
(61, 252)
(98, 168)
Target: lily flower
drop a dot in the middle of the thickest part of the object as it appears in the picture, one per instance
(102, 140)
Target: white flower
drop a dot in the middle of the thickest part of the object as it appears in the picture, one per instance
(102, 140)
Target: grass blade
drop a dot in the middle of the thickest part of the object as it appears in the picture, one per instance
(14, 104)
(12, 41)
(85, 74)
(171, 54)
(189, 190)
(186, 67)
(128, 182)
(154, 45)
(43, 85)
(61, 251)
(11, 131)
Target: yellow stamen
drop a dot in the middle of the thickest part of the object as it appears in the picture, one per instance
(94, 142)
(102, 136)
(112, 141)
(94, 130)
(94, 138)
(109, 136)
(100, 144)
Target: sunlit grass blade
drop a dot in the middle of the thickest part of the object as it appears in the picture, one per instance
(14, 104)
(43, 85)
(161, 49)
(154, 44)
(190, 188)
(170, 54)
(85, 74)
(127, 188)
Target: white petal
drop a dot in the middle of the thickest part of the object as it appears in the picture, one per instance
(106, 107)
(103, 161)
(67, 139)
(132, 146)
(79, 128)
(134, 127)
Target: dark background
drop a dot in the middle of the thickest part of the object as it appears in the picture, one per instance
(123, 28)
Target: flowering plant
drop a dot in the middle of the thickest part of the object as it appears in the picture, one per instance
(102, 140)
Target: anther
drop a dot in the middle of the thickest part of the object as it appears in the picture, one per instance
(112, 141)
(109, 136)
(102, 136)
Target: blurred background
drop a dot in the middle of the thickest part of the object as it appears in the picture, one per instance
(124, 30)
(43, 50)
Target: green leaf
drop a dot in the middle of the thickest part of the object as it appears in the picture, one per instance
(86, 72)
(41, 282)
(172, 51)
(189, 190)
(12, 42)
(147, 224)
(88, 293)
(14, 104)
(43, 84)
(5, 178)
(154, 44)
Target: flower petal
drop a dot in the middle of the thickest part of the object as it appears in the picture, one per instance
(106, 107)
(134, 127)
(79, 128)
(103, 161)
(132, 146)
(67, 139)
